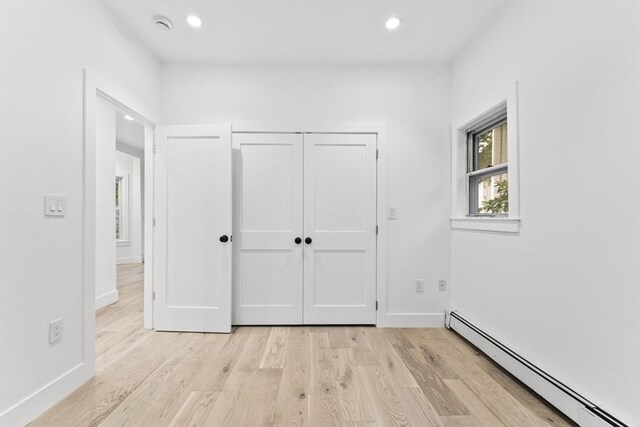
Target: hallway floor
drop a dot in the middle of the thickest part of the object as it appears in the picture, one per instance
(281, 376)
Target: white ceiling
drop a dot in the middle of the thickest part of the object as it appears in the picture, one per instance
(307, 31)
(129, 132)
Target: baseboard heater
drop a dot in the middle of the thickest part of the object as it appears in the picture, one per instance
(570, 402)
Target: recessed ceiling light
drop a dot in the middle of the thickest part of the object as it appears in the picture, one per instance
(393, 23)
(128, 117)
(194, 21)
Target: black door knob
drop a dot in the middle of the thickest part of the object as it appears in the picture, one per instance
(224, 238)
(308, 240)
(298, 240)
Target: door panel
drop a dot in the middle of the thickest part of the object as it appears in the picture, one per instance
(193, 206)
(268, 200)
(340, 219)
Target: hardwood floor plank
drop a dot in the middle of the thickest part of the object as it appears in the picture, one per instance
(398, 338)
(172, 394)
(194, 410)
(217, 369)
(148, 395)
(292, 407)
(419, 410)
(323, 405)
(362, 352)
(274, 355)
(227, 410)
(339, 337)
(261, 397)
(381, 390)
(444, 402)
(389, 358)
(460, 421)
(478, 410)
(353, 401)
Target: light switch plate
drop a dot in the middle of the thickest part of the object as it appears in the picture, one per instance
(392, 212)
(54, 205)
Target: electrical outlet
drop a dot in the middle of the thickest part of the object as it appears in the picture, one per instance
(419, 286)
(442, 285)
(55, 331)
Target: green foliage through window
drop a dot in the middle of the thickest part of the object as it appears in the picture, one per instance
(485, 150)
(500, 203)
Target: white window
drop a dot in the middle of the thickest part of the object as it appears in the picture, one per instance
(485, 190)
(488, 168)
(122, 206)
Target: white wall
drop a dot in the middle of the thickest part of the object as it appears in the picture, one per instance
(105, 266)
(130, 251)
(413, 101)
(43, 49)
(564, 291)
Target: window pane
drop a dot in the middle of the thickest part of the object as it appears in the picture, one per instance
(491, 147)
(118, 183)
(491, 194)
(118, 224)
(118, 201)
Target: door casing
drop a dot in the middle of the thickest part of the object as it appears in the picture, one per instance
(96, 88)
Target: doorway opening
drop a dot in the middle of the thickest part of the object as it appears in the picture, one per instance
(117, 235)
(119, 230)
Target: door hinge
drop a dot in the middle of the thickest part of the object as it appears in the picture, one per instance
(377, 154)
(153, 295)
(155, 148)
(154, 222)
(376, 305)
(377, 230)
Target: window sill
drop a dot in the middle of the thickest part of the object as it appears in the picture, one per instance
(123, 242)
(501, 225)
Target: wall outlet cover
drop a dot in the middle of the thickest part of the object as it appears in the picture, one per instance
(55, 331)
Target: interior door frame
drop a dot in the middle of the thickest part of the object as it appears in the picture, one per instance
(95, 89)
(378, 129)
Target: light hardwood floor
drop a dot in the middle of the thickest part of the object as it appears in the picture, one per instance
(281, 376)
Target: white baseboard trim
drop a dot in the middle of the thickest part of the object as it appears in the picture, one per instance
(567, 400)
(106, 299)
(44, 398)
(414, 320)
(129, 260)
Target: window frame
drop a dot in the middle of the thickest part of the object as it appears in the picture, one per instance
(505, 100)
(474, 174)
(123, 208)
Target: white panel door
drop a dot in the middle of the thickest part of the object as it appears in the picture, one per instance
(340, 228)
(193, 205)
(267, 225)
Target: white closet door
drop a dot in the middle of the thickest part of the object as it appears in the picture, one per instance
(268, 206)
(340, 221)
(193, 205)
